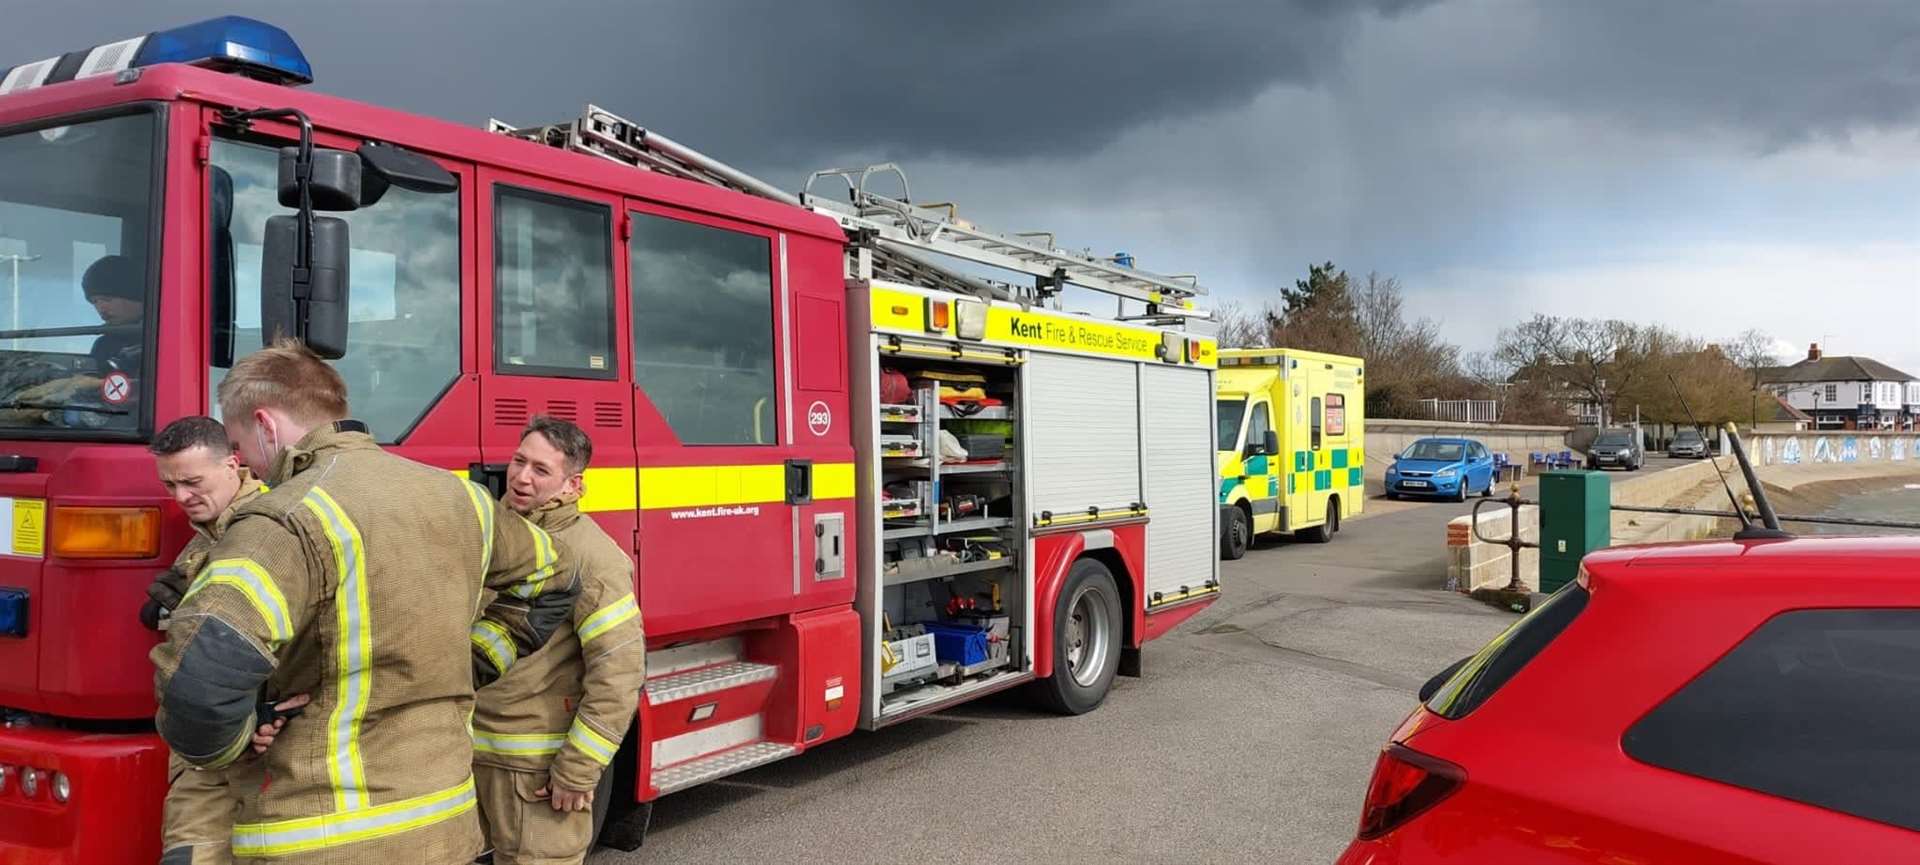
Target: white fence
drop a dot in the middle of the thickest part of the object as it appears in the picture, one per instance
(1462, 410)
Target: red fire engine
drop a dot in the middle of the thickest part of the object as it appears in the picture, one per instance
(860, 482)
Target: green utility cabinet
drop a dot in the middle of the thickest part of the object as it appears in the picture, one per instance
(1576, 518)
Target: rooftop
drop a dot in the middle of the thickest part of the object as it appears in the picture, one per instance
(1838, 368)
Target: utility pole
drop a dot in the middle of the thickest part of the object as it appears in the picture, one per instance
(15, 259)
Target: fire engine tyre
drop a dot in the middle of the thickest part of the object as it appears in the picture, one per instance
(1086, 641)
(602, 801)
(1237, 536)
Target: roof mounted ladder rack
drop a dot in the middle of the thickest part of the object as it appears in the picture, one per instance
(899, 234)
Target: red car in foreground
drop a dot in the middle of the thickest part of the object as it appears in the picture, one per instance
(1720, 702)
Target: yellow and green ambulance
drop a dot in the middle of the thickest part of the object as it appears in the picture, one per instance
(1292, 430)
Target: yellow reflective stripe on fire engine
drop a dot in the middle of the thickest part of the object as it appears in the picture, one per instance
(483, 509)
(608, 617)
(904, 312)
(608, 489)
(545, 562)
(833, 481)
(283, 837)
(257, 585)
(353, 654)
(492, 640)
(591, 743)
(708, 486)
(518, 744)
(625, 488)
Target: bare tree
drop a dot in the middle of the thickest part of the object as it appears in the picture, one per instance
(1592, 358)
(1752, 350)
(1240, 328)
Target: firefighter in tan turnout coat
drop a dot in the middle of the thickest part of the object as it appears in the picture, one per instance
(355, 583)
(200, 472)
(544, 733)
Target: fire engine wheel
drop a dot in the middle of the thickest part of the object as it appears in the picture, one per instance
(1086, 641)
(1238, 535)
(602, 802)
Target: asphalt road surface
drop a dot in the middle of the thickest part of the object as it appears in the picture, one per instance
(1250, 737)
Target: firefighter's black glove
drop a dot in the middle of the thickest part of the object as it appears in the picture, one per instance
(483, 672)
(150, 613)
(162, 598)
(264, 712)
(548, 611)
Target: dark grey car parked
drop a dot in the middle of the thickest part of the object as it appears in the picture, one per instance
(1687, 444)
(1616, 448)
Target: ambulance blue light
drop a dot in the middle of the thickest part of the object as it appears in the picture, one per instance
(230, 43)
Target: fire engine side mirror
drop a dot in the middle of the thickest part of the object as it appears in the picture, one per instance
(335, 184)
(322, 298)
(384, 166)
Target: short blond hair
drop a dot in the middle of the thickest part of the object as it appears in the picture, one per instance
(288, 377)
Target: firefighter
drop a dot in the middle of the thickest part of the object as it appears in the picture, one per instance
(545, 733)
(351, 593)
(206, 480)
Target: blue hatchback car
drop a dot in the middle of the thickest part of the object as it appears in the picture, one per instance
(1446, 467)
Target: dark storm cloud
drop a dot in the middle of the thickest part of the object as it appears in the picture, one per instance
(791, 82)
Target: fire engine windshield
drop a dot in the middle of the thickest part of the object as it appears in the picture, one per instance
(76, 211)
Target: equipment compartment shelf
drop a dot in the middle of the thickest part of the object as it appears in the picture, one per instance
(973, 468)
(997, 412)
(900, 414)
(969, 525)
(953, 570)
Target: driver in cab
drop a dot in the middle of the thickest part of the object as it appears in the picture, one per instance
(115, 287)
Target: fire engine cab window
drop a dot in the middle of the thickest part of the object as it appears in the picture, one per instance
(76, 211)
(403, 336)
(1816, 706)
(703, 330)
(552, 286)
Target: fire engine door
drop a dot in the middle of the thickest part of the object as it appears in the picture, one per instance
(406, 361)
(551, 336)
(723, 498)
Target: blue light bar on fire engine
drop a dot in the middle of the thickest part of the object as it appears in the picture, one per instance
(230, 44)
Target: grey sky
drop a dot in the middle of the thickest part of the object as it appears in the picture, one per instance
(1710, 165)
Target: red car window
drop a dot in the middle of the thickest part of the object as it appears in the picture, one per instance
(1817, 706)
(1485, 672)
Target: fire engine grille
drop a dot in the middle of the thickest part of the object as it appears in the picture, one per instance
(510, 412)
(564, 409)
(608, 414)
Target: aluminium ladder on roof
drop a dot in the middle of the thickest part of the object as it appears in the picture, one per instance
(900, 234)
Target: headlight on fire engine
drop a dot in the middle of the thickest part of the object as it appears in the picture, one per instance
(29, 782)
(62, 787)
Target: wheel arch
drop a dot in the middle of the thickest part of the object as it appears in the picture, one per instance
(1122, 549)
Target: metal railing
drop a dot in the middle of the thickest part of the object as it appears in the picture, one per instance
(1462, 410)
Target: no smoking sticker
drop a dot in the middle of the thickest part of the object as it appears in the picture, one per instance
(115, 388)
